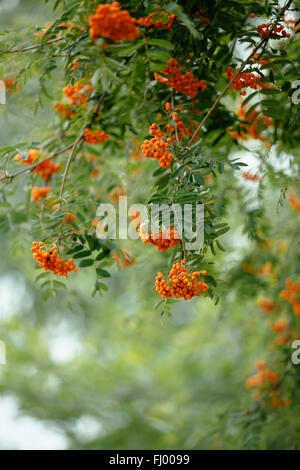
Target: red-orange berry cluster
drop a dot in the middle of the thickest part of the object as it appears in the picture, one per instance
(293, 200)
(128, 260)
(201, 17)
(11, 85)
(47, 168)
(276, 32)
(50, 261)
(64, 110)
(243, 80)
(32, 155)
(162, 240)
(186, 83)
(251, 129)
(180, 283)
(77, 96)
(67, 25)
(111, 22)
(180, 129)
(291, 293)
(39, 193)
(69, 216)
(266, 305)
(158, 146)
(279, 325)
(265, 382)
(262, 378)
(149, 23)
(96, 137)
(78, 93)
(251, 177)
(115, 194)
(261, 60)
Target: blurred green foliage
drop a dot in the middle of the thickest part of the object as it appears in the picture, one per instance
(108, 371)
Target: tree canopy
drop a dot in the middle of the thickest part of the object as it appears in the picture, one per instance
(185, 103)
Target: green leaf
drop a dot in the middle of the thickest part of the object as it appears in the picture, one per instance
(221, 167)
(102, 272)
(91, 242)
(159, 54)
(86, 263)
(123, 50)
(286, 86)
(249, 98)
(270, 91)
(161, 43)
(82, 254)
(100, 286)
(59, 284)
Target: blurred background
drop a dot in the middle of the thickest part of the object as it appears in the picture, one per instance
(108, 372)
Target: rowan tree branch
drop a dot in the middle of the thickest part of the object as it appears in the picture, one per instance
(261, 43)
(32, 48)
(80, 137)
(29, 169)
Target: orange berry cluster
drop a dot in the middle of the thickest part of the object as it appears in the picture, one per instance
(115, 194)
(245, 79)
(180, 283)
(162, 240)
(67, 25)
(32, 156)
(78, 93)
(200, 15)
(47, 168)
(266, 305)
(260, 59)
(50, 261)
(64, 110)
(294, 201)
(96, 137)
(279, 325)
(180, 130)
(113, 23)
(248, 176)
(128, 259)
(38, 193)
(264, 378)
(158, 146)
(293, 24)
(148, 22)
(11, 85)
(69, 216)
(74, 65)
(277, 32)
(291, 293)
(186, 84)
(251, 129)
(277, 402)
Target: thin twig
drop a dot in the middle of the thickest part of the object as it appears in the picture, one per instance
(80, 137)
(77, 142)
(32, 48)
(70, 158)
(32, 167)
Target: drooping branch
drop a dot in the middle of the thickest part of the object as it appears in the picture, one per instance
(262, 42)
(33, 48)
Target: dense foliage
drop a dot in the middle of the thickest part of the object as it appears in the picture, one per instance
(174, 103)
